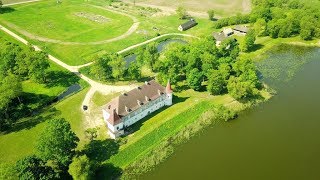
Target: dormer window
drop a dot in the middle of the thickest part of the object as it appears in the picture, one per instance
(139, 103)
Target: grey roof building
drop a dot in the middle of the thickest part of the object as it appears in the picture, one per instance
(187, 25)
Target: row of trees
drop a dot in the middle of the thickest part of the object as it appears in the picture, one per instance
(201, 62)
(280, 18)
(183, 14)
(110, 67)
(16, 65)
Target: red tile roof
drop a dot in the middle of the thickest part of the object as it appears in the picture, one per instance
(130, 101)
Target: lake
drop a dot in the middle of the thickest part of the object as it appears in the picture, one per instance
(278, 140)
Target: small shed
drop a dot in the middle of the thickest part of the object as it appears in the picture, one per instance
(219, 37)
(242, 29)
(187, 25)
(228, 32)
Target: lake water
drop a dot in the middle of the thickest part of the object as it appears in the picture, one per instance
(278, 140)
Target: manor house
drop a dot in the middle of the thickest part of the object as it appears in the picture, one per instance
(132, 106)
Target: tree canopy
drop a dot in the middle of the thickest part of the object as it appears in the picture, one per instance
(181, 12)
(280, 18)
(32, 167)
(201, 61)
(81, 168)
(57, 143)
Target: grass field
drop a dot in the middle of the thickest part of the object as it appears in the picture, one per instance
(50, 20)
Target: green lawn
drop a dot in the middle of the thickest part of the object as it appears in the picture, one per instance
(64, 22)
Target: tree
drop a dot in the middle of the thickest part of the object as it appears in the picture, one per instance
(134, 71)
(7, 171)
(1, 5)
(260, 27)
(181, 12)
(32, 167)
(10, 89)
(211, 14)
(118, 66)
(91, 133)
(194, 79)
(216, 82)
(307, 24)
(101, 69)
(57, 143)
(240, 88)
(151, 55)
(249, 40)
(38, 66)
(81, 168)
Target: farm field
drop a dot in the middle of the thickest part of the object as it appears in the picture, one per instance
(221, 7)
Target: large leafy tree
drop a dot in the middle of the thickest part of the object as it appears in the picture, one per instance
(81, 168)
(32, 167)
(249, 40)
(38, 66)
(7, 171)
(57, 143)
(134, 71)
(118, 66)
(194, 79)
(211, 14)
(151, 55)
(215, 82)
(10, 89)
(181, 12)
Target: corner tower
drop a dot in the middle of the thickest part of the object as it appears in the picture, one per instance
(169, 94)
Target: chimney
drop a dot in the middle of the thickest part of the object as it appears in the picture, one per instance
(159, 92)
(146, 82)
(139, 102)
(147, 99)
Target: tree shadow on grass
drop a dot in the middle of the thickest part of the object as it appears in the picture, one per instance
(101, 150)
(108, 171)
(61, 78)
(256, 47)
(32, 122)
(4, 10)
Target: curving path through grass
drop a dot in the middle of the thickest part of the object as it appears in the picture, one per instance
(29, 35)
